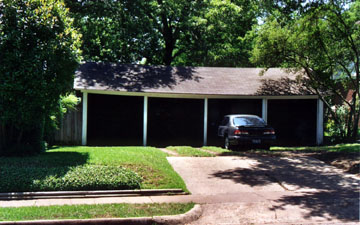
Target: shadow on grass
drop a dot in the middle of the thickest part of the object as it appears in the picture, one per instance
(19, 174)
(334, 190)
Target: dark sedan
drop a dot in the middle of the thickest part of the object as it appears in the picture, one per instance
(246, 130)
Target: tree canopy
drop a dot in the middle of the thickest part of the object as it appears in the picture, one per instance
(324, 43)
(171, 32)
(39, 52)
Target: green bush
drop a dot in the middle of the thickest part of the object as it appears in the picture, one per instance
(86, 177)
(337, 132)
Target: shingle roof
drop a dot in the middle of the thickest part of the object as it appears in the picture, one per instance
(187, 80)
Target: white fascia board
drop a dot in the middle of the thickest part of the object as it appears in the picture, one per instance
(194, 96)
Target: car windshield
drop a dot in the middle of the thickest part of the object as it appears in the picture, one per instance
(249, 121)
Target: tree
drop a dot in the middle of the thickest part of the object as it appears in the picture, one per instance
(219, 34)
(171, 32)
(324, 43)
(38, 56)
(113, 31)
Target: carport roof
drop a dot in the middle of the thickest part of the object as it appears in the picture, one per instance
(105, 77)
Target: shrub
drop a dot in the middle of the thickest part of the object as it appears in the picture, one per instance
(87, 177)
(337, 132)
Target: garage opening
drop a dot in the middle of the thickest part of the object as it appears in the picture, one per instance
(218, 108)
(115, 120)
(175, 122)
(294, 121)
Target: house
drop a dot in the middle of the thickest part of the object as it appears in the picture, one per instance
(162, 105)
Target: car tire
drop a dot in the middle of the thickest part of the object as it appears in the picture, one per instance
(227, 144)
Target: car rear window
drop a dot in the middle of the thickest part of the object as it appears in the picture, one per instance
(249, 121)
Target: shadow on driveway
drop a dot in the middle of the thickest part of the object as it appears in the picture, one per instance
(327, 192)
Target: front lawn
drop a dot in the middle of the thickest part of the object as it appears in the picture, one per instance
(92, 211)
(216, 149)
(329, 148)
(89, 168)
(189, 151)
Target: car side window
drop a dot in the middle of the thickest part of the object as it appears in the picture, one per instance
(225, 121)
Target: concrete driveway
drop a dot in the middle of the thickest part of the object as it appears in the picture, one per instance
(270, 190)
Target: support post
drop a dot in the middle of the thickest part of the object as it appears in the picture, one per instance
(84, 118)
(205, 120)
(145, 118)
(320, 122)
(265, 109)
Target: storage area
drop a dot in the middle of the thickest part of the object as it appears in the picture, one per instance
(114, 120)
(218, 108)
(175, 121)
(294, 121)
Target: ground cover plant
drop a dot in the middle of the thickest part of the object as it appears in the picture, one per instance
(89, 168)
(92, 211)
(189, 151)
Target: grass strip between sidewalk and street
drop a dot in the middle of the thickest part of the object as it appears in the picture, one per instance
(92, 211)
(190, 151)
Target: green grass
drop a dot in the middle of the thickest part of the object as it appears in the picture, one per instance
(92, 211)
(54, 168)
(329, 148)
(189, 151)
(216, 149)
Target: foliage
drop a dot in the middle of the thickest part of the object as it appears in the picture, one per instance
(87, 177)
(38, 56)
(176, 32)
(189, 151)
(93, 211)
(52, 122)
(322, 42)
(89, 168)
(337, 131)
(218, 35)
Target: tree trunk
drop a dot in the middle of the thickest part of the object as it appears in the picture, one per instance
(168, 58)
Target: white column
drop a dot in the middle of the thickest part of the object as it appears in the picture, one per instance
(320, 122)
(145, 119)
(265, 109)
(84, 118)
(205, 120)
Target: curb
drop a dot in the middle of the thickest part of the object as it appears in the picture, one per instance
(187, 217)
(87, 194)
(192, 215)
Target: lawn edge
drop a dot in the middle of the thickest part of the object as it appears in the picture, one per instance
(190, 216)
(87, 194)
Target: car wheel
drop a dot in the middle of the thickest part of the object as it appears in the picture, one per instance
(227, 143)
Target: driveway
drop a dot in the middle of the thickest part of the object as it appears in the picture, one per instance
(272, 190)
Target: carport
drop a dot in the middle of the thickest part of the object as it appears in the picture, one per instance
(161, 106)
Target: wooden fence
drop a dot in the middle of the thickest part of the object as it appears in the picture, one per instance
(70, 129)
